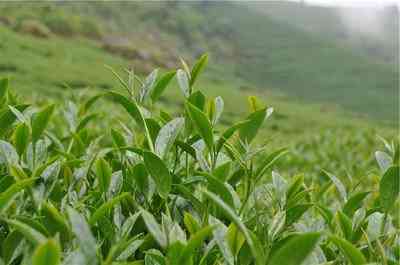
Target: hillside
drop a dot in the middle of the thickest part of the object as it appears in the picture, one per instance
(276, 57)
(370, 32)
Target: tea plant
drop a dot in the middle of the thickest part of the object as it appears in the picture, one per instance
(176, 189)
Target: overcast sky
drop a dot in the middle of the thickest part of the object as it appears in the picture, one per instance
(354, 2)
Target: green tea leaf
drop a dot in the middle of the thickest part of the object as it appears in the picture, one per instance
(7, 118)
(235, 239)
(7, 197)
(202, 124)
(346, 225)
(103, 172)
(269, 161)
(295, 250)
(354, 203)
(195, 243)
(40, 121)
(389, 187)
(106, 207)
(167, 135)
(183, 81)
(256, 249)
(161, 84)
(21, 138)
(27, 231)
(48, 253)
(148, 85)
(197, 68)
(86, 241)
(8, 154)
(154, 228)
(129, 105)
(191, 224)
(353, 255)
(249, 130)
(159, 172)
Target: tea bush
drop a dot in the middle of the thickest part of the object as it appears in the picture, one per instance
(176, 189)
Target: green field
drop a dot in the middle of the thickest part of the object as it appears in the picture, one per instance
(121, 145)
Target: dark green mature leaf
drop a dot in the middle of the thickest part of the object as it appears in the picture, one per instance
(21, 138)
(249, 130)
(28, 232)
(129, 105)
(48, 253)
(389, 187)
(353, 255)
(133, 109)
(86, 241)
(40, 121)
(295, 250)
(84, 122)
(253, 243)
(7, 117)
(9, 246)
(218, 187)
(88, 103)
(161, 84)
(293, 214)
(103, 172)
(9, 195)
(354, 203)
(159, 172)
(202, 124)
(106, 207)
(197, 68)
(228, 134)
(269, 161)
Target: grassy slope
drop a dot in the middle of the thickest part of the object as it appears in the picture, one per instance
(274, 57)
(42, 67)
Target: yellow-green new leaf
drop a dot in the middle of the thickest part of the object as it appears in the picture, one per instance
(159, 172)
(202, 124)
(34, 236)
(197, 68)
(353, 255)
(9, 195)
(48, 253)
